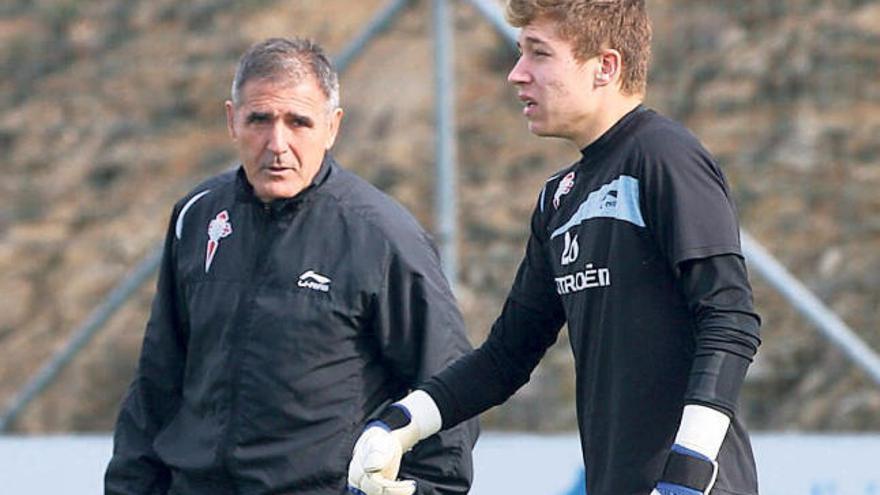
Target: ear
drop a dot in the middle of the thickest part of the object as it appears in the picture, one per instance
(230, 119)
(335, 123)
(609, 67)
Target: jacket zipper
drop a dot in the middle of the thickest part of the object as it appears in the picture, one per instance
(264, 217)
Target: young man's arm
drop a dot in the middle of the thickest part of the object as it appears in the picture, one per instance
(478, 381)
(527, 326)
(720, 297)
(688, 207)
(154, 394)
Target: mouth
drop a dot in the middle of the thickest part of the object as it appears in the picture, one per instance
(276, 168)
(529, 103)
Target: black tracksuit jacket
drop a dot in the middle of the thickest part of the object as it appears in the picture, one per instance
(276, 330)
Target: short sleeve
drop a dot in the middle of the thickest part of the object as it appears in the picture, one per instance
(685, 198)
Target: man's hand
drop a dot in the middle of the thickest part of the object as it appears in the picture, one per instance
(687, 472)
(375, 461)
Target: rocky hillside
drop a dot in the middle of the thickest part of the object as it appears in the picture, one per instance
(112, 109)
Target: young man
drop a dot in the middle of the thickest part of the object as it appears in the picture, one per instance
(636, 248)
(294, 299)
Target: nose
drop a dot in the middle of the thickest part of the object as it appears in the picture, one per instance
(519, 74)
(278, 142)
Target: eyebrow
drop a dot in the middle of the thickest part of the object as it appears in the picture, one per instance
(531, 40)
(302, 119)
(299, 118)
(252, 116)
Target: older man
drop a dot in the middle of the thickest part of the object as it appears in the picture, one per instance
(293, 300)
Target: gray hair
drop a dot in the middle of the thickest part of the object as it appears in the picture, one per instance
(291, 59)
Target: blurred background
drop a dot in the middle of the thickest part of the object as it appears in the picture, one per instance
(113, 109)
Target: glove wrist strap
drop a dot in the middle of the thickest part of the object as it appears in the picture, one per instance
(423, 412)
(412, 419)
(690, 469)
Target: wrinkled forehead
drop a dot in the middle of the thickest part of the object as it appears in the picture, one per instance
(302, 89)
(283, 70)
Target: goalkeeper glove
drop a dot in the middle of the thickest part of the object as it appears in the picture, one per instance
(377, 453)
(691, 468)
(687, 472)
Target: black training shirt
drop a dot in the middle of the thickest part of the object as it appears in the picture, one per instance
(636, 247)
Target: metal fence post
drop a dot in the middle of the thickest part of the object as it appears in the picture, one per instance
(444, 87)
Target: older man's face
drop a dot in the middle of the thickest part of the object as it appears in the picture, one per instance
(282, 131)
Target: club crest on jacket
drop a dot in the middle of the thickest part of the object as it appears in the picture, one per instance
(218, 228)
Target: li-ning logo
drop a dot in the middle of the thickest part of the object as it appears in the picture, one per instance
(571, 250)
(590, 278)
(217, 229)
(563, 188)
(314, 281)
(609, 202)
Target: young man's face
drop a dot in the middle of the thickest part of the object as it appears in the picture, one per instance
(282, 132)
(558, 91)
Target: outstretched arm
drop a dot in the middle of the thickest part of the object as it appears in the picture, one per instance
(529, 324)
(476, 382)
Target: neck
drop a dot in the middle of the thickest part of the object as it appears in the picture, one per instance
(610, 111)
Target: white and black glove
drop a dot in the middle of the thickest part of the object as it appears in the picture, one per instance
(375, 461)
(691, 468)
